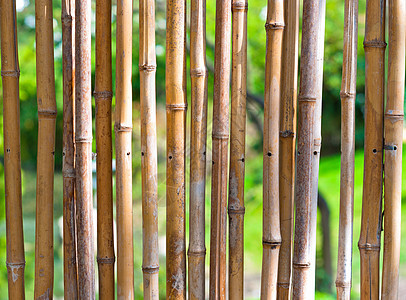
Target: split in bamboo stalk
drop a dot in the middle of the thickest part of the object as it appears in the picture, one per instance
(10, 73)
(198, 139)
(103, 95)
(393, 149)
(44, 233)
(371, 221)
(347, 94)
(147, 67)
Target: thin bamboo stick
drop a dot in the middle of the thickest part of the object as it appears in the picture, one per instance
(198, 139)
(44, 237)
(147, 67)
(371, 226)
(393, 149)
(10, 73)
(103, 96)
(236, 208)
(347, 94)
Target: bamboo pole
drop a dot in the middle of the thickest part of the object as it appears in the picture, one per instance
(271, 223)
(198, 139)
(103, 96)
(236, 208)
(347, 94)
(287, 142)
(147, 67)
(220, 136)
(393, 149)
(83, 142)
(370, 238)
(10, 73)
(44, 237)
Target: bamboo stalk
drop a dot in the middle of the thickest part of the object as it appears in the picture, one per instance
(147, 61)
(44, 237)
(198, 139)
(236, 208)
(393, 149)
(123, 132)
(347, 94)
(10, 73)
(103, 96)
(370, 238)
(83, 142)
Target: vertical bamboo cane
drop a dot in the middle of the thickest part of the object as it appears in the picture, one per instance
(103, 95)
(220, 151)
(198, 138)
(10, 73)
(271, 223)
(370, 238)
(393, 149)
(348, 93)
(236, 208)
(44, 237)
(150, 264)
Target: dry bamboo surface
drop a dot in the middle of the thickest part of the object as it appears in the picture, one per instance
(147, 67)
(287, 142)
(103, 95)
(10, 73)
(393, 148)
(271, 239)
(123, 131)
(236, 208)
(44, 233)
(198, 139)
(370, 238)
(347, 94)
(220, 136)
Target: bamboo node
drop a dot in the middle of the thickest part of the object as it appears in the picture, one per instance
(46, 114)
(11, 73)
(284, 285)
(122, 128)
(286, 133)
(390, 147)
(103, 95)
(150, 269)
(70, 173)
(369, 247)
(147, 68)
(236, 211)
(220, 136)
(15, 264)
(239, 6)
(347, 95)
(375, 44)
(343, 284)
(106, 260)
(271, 244)
(306, 98)
(66, 19)
(196, 253)
(199, 72)
(301, 265)
(274, 26)
(178, 106)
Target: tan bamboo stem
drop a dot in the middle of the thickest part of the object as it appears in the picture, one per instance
(103, 95)
(347, 94)
(236, 208)
(271, 239)
(393, 149)
(287, 142)
(83, 142)
(370, 238)
(10, 73)
(147, 61)
(44, 237)
(198, 138)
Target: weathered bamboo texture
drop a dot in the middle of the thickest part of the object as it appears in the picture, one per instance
(287, 142)
(83, 143)
(236, 208)
(123, 132)
(68, 164)
(393, 149)
(103, 96)
(44, 233)
(198, 139)
(147, 67)
(10, 73)
(347, 94)
(371, 221)
(220, 136)
(271, 239)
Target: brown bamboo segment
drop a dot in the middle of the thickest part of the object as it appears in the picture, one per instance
(236, 208)
(198, 139)
(393, 149)
(44, 237)
(10, 73)
(347, 94)
(370, 238)
(147, 67)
